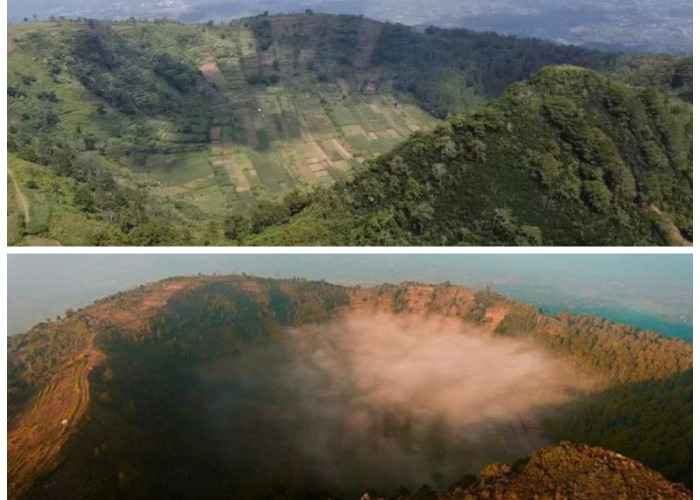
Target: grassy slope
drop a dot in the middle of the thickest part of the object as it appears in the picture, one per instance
(52, 214)
(44, 53)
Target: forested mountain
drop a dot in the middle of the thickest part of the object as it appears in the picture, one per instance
(666, 73)
(161, 133)
(442, 67)
(569, 157)
(646, 26)
(193, 384)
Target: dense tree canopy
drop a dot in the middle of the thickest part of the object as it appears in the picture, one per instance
(570, 157)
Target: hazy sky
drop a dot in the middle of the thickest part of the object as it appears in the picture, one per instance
(633, 25)
(656, 287)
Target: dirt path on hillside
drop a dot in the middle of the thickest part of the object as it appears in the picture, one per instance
(341, 149)
(93, 358)
(675, 232)
(308, 138)
(21, 198)
(36, 438)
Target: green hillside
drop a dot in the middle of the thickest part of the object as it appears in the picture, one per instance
(198, 120)
(163, 133)
(570, 157)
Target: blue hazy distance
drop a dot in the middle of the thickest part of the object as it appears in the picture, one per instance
(649, 291)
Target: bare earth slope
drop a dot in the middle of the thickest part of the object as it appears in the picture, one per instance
(66, 353)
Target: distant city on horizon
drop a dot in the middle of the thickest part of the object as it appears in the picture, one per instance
(642, 26)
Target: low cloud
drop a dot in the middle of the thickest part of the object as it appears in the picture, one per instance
(435, 365)
(383, 401)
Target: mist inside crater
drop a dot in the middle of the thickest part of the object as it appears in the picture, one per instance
(378, 401)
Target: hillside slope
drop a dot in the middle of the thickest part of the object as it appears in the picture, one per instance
(129, 368)
(162, 133)
(569, 157)
(154, 132)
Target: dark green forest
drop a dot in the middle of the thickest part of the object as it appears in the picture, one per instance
(660, 436)
(440, 65)
(570, 157)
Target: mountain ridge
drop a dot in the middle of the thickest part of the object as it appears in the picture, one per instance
(164, 319)
(134, 133)
(548, 163)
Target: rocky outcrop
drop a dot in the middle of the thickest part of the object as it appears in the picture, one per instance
(572, 472)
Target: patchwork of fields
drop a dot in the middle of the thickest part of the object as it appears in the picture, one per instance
(265, 139)
(260, 123)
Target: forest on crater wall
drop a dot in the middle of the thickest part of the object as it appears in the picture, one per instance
(569, 157)
(209, 351)
(109, 128)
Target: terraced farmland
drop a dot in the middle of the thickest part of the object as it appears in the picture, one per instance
(199, 122)
(266, 139)
(277, 138)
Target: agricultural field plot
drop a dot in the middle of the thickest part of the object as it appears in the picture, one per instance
(209, 199)
(262, 140)
(342, 116)
(177, 169)
(247, 43)
(291, 139)
(271, 172)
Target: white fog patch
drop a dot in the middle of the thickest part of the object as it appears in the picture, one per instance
(436, 365)
(379, 400)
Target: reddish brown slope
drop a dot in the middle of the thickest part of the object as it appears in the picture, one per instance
(62, 355)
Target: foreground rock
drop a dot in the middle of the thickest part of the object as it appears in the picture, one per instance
(568, 471)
